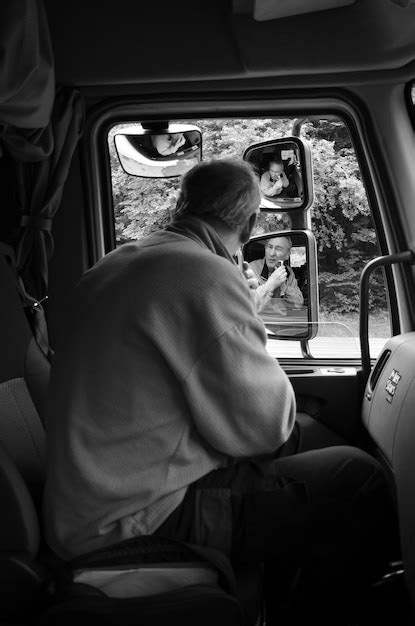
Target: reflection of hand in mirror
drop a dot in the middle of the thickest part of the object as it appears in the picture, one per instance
(277, 277)
(249, 275)
(169, 143)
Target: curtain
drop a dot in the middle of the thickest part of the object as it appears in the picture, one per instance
(39, 129)
(39, 191)
(27, 79)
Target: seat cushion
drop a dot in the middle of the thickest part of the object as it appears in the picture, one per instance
(136, 582)
(19, 524)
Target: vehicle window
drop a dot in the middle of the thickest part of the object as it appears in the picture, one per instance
(346, 241)
(340, 219)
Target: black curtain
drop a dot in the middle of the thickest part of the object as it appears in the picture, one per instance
(40, 126)
(39, 191)
(27, 79)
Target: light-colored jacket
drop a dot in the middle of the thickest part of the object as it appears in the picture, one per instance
(162, 377)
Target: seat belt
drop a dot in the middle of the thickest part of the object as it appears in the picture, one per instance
(33, 308)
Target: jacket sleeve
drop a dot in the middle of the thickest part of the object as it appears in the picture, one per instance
(261, 295)
(241, 400)
(292, 292)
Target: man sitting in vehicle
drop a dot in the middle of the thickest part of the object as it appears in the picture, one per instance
(274, 180)
(168, 143)
(275, 183)
(168, 416)
(277, 290)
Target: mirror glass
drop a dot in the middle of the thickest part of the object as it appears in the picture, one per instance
(281, 265)
(280, 171)
(159, 154)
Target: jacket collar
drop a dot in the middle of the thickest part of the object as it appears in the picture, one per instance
(200, 231)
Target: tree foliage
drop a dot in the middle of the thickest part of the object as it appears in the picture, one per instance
(340, 214)
(341, 220)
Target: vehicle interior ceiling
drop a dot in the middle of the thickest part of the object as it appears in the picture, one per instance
(129, 61)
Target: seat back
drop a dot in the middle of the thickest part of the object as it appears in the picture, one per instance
(23, 581)
(24, 376)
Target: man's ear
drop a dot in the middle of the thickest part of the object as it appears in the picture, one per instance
(248, 227)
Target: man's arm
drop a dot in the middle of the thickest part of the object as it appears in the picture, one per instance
(264, 291)
(262, 297)
(262, 294)
(268, 187)
(292, 293)
(241, 400)
(284, 180)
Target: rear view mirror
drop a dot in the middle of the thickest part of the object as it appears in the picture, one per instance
(284, 263)
(284, 171)
(162, 152)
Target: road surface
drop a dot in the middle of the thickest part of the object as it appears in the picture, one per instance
(325, 348)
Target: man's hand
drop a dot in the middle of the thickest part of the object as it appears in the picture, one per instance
(277, 187)
(277, 278)
(249, 275)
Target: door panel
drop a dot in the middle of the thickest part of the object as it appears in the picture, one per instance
(331, 395)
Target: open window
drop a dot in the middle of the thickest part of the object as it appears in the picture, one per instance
(338, 215)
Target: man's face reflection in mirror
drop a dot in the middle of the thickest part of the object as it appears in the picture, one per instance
(276, 171)
(277, 249)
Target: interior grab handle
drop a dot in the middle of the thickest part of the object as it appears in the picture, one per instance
(401, 257)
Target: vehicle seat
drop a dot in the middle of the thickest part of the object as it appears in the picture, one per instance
(254, 251)
(164, 593)
(173, 584)
(23, 580)
(295, 177)
(24, 377)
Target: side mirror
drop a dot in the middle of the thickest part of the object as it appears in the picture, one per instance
(290, 310)
(162, 151)
(284, 171)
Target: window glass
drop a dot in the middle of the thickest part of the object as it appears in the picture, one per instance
(346, 241)
(340, 217)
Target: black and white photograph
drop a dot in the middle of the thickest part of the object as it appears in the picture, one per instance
(207, 312)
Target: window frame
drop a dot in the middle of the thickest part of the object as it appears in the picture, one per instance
(100, 225)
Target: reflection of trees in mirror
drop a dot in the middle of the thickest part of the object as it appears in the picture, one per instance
(298, 256)
(269, 222)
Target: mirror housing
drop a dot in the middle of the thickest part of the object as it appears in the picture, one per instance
(159, 150)
(285, 173)
(291, 310)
